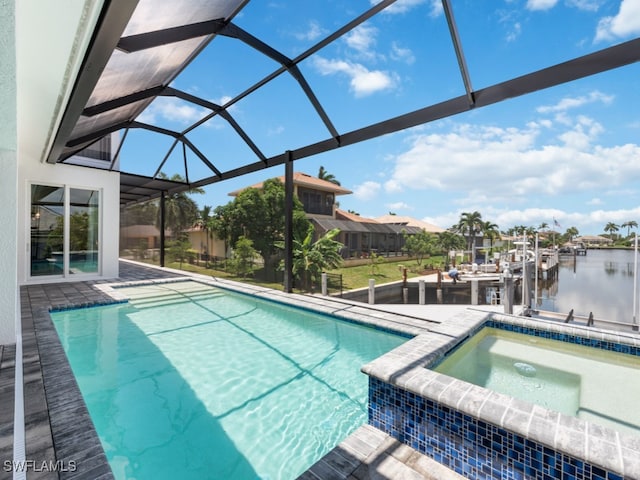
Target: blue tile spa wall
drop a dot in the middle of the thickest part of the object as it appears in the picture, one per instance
(601, 344)
(471, 447)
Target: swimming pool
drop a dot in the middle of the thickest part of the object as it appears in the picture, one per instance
(566, 377)
(190, 381)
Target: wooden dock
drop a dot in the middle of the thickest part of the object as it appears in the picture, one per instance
(548, 263)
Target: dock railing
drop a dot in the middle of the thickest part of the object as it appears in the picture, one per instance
(589, 321)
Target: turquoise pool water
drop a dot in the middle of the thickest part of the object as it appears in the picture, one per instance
(189, 381)
(600, 386)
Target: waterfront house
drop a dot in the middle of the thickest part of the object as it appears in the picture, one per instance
(72, 74)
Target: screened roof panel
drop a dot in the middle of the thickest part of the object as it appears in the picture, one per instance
(285, 84)
(88, 124)
(292, 118)
(513, 34)
(128, 73)
(342, 225)
(153, 15)
(134, 188)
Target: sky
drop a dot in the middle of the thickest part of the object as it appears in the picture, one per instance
(568, 156)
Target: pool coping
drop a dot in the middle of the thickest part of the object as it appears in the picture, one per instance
(406, 367)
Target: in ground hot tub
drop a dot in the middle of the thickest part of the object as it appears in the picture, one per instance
(508, 404)
(590, 383)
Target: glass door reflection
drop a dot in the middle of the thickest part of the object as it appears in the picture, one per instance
(47, 230)
(83, 231)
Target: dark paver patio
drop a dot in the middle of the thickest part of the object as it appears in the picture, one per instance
(59, 430)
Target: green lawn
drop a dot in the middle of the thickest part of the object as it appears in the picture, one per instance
(352, 277)
(385, 272)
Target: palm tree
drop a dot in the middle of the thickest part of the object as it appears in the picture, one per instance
(611, 228)
(181, 212)
(519, 230)
(471, 224)
(573, 231)
(490, 230)
(543, 227)
(629, 225)
(531, 232)
(324, 175)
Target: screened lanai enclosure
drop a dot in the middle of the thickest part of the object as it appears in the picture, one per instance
(232, 73)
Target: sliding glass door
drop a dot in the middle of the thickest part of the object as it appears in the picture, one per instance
(83, 231)
(65, 231)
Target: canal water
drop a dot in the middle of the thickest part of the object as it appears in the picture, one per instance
(600, 282)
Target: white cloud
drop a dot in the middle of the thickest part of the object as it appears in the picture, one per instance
(367, 190)
(541, 4)
(399, 206)
(490, 165)
(401, 54)
(622, 25)
(514, 33)
(403, 6)
(313, 32)
(275, 130)
(173, 110)
(435, 8)
(585, 5)
(363, 81)
(362, 39)
(569, 103)
(582, 134)
(594, 201)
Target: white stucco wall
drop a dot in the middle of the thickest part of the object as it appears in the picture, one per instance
(51, 40)
(42, 45)
(108, 183)
(9, 177)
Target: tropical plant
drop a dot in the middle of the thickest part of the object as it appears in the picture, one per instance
(181, 211)
(447, 241)
(221, 224)
(490, 230)
(544, 226)
(145, 213)
(611, 228)
(258, 214)
(629, 225)
(78, 233)
(572, 232)
(374, 263)
(180, 249)
(204, 222)
(419, 245)
(519, 230)
(470, 224)
(243, 257)
(324, 175)
(311, 258)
